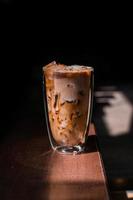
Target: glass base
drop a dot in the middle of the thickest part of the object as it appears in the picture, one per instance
(70, 150)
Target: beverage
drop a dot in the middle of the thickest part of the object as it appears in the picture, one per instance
(68, 96)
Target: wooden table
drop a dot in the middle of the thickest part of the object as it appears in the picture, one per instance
(30, 170)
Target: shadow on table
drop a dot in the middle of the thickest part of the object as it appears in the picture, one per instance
(28, 169)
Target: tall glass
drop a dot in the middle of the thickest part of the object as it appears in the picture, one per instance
(68, 96)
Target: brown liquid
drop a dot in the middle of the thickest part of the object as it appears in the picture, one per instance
(68, 93)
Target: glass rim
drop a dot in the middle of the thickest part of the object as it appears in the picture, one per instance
(44, 68)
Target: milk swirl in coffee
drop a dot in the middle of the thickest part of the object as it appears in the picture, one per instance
(68, 98)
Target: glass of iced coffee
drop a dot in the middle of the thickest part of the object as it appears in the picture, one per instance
(68, 96)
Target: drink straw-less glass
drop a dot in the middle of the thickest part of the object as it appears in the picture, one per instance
(68, 99)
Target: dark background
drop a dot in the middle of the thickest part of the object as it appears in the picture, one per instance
(34, 34)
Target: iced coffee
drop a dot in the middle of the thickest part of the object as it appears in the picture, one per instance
(68, 96)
